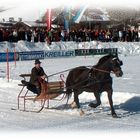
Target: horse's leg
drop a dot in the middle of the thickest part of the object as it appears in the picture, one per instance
(76, 101)
(97, 96)
(110, 92)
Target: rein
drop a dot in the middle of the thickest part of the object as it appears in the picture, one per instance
(79, 68)
(101, 70)
(67, 71)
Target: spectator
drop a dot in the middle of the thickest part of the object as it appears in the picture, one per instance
(139, 35)
(1, 35)
(15, 36)
(29, 35)
(120, 35)
(62, 35)
(124, 35)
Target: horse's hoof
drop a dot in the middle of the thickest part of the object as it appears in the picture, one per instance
(92, 105)
(115, 116)
(73, 105)
(81, 112)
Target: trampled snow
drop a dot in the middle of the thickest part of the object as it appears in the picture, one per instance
(126, 99)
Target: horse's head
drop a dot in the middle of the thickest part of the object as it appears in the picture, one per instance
(110, 63)
(115, 66)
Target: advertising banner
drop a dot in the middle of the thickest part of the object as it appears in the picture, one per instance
(31, 55)
(58, 54)
(102, 51)
(11, 56)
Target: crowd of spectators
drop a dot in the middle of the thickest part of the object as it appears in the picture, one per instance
(81, 35)
(14, 35)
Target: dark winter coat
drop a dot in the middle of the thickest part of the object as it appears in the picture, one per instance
(35, 74)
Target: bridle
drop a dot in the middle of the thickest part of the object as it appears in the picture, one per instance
(104, 71)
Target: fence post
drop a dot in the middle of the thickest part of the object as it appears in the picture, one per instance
(7, 60)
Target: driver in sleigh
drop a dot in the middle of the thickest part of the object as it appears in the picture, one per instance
(37, 73)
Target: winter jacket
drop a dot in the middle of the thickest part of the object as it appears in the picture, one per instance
(35, 75)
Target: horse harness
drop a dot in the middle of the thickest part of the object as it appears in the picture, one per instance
(92, 80)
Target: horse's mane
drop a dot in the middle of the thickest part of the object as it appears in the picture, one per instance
(104, 59)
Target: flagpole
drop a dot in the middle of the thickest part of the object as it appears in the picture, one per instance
(48, 19)
(48, 23)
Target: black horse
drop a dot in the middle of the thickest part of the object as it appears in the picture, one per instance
(95, 79)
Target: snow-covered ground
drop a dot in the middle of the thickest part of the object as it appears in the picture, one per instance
(126, 100)
(62, 121)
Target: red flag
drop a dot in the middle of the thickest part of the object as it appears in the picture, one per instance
(48, 19)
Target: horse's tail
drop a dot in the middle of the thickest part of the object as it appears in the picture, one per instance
(68, 88)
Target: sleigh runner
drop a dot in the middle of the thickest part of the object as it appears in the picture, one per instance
(49, 91)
